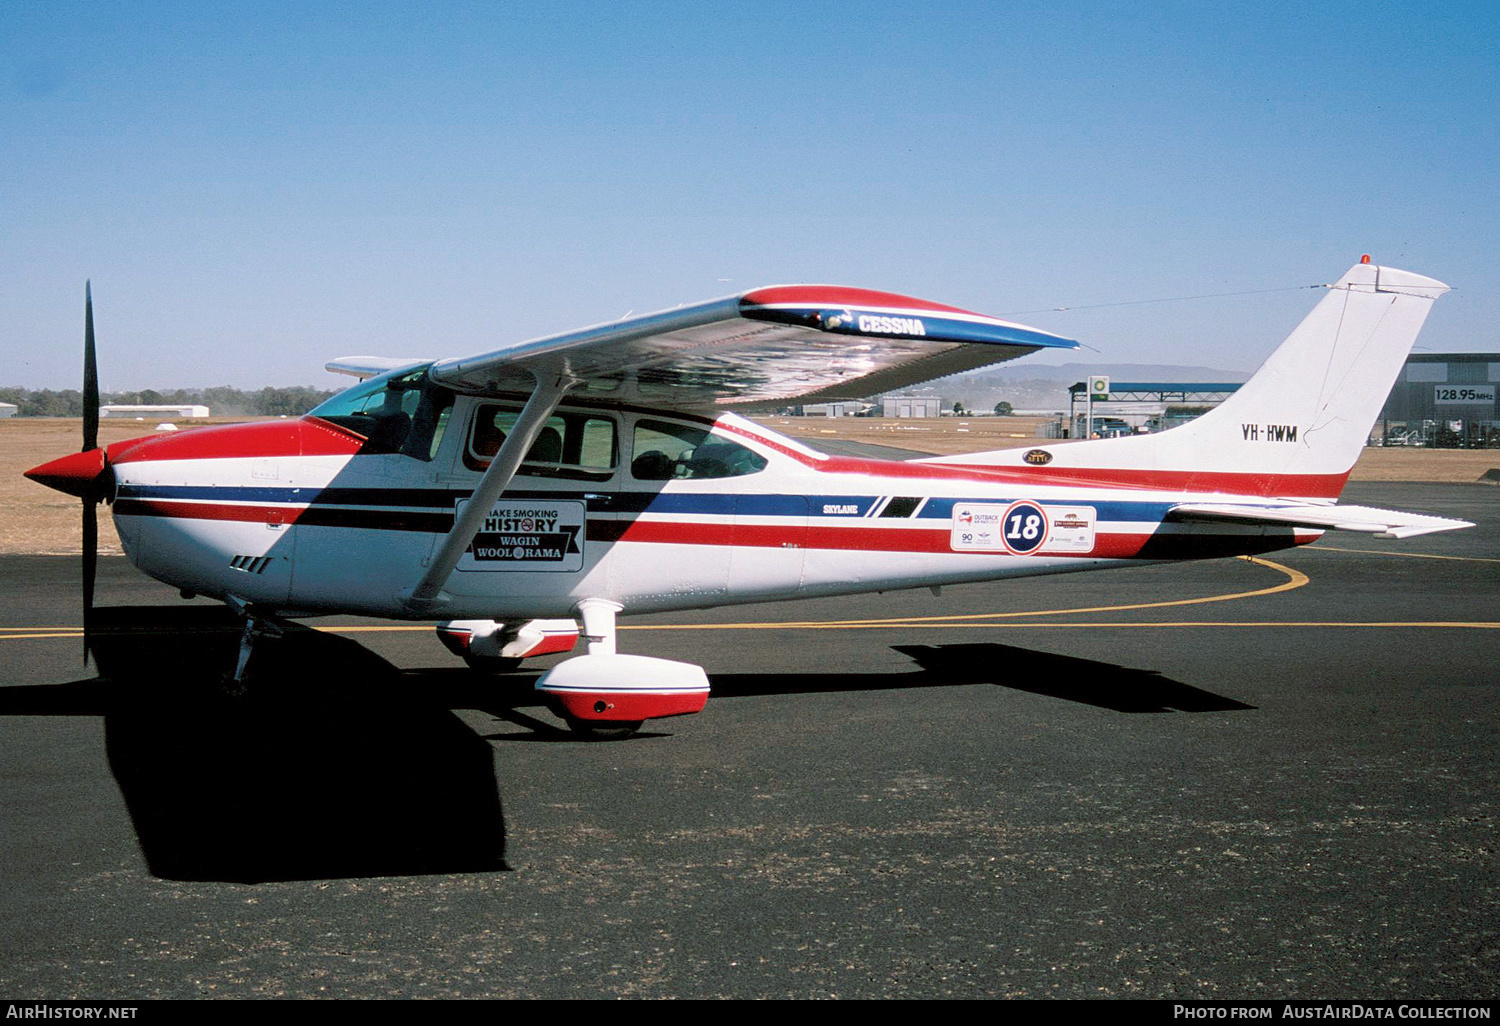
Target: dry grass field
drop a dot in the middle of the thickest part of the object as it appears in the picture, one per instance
(34, 519)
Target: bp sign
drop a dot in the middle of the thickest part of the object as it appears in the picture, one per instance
(1099, 388)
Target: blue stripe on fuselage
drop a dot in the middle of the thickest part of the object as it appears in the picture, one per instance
(840, 507)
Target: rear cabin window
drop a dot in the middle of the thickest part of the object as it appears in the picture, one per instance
(662, 451)
(572, 446)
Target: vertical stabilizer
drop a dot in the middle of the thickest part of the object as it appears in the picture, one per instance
(1297, 426)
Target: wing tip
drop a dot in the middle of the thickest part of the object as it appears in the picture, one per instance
(842, 310)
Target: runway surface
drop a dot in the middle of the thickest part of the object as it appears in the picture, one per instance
(1231, 779)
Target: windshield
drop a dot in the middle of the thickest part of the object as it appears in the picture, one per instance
(398, 411)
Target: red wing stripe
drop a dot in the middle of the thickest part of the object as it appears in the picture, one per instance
(838, 295)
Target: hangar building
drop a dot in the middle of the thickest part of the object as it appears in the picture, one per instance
(1445, 399)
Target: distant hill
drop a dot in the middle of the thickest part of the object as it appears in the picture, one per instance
(1039, 387)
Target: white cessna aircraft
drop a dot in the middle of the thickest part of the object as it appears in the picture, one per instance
(602, 472)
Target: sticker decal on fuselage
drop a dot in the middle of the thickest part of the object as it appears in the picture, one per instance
(1023, 528)
(527, 534)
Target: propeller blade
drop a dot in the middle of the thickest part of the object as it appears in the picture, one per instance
(91, 496)
(90, 567)
(90, 374)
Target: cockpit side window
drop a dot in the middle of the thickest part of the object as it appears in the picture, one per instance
(664, 451)
(573, 445)
(398, 412)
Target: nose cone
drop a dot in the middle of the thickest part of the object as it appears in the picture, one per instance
(74, 473)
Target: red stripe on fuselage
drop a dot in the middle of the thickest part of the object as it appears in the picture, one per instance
(1107, 545)
(204, 511)
(1311, 486)
(849, 539)
(313, 516)
(815, 536)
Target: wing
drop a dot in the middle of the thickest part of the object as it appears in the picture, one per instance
(1383, 523)
(368, 366)
(764, 347)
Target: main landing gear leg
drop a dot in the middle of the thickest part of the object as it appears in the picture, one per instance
(598, 616)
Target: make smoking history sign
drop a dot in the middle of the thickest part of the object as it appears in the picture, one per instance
(527, 534)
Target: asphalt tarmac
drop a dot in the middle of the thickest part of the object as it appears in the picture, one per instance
(1282, 786)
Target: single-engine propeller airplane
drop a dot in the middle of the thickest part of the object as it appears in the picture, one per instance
(573, 478)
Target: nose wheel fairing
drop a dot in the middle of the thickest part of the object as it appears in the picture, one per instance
(490, 646)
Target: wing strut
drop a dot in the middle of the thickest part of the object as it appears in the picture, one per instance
(428, 595)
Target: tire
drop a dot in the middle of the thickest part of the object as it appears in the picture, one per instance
(492, 664)
(603, 730)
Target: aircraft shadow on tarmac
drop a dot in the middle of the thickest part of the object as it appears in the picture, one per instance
(330, 766)
(1106, 685)
(336, 764)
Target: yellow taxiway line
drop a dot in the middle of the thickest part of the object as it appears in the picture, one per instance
(1294, 579)
(1406, 555)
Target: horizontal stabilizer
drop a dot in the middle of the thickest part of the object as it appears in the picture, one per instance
(1383, 523)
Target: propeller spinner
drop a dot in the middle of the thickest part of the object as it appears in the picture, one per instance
(86, 473)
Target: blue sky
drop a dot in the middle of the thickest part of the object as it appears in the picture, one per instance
(257, 188)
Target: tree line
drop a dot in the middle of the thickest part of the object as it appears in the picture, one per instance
(222, 401)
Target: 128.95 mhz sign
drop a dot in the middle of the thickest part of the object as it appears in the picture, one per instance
(1462, 395)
